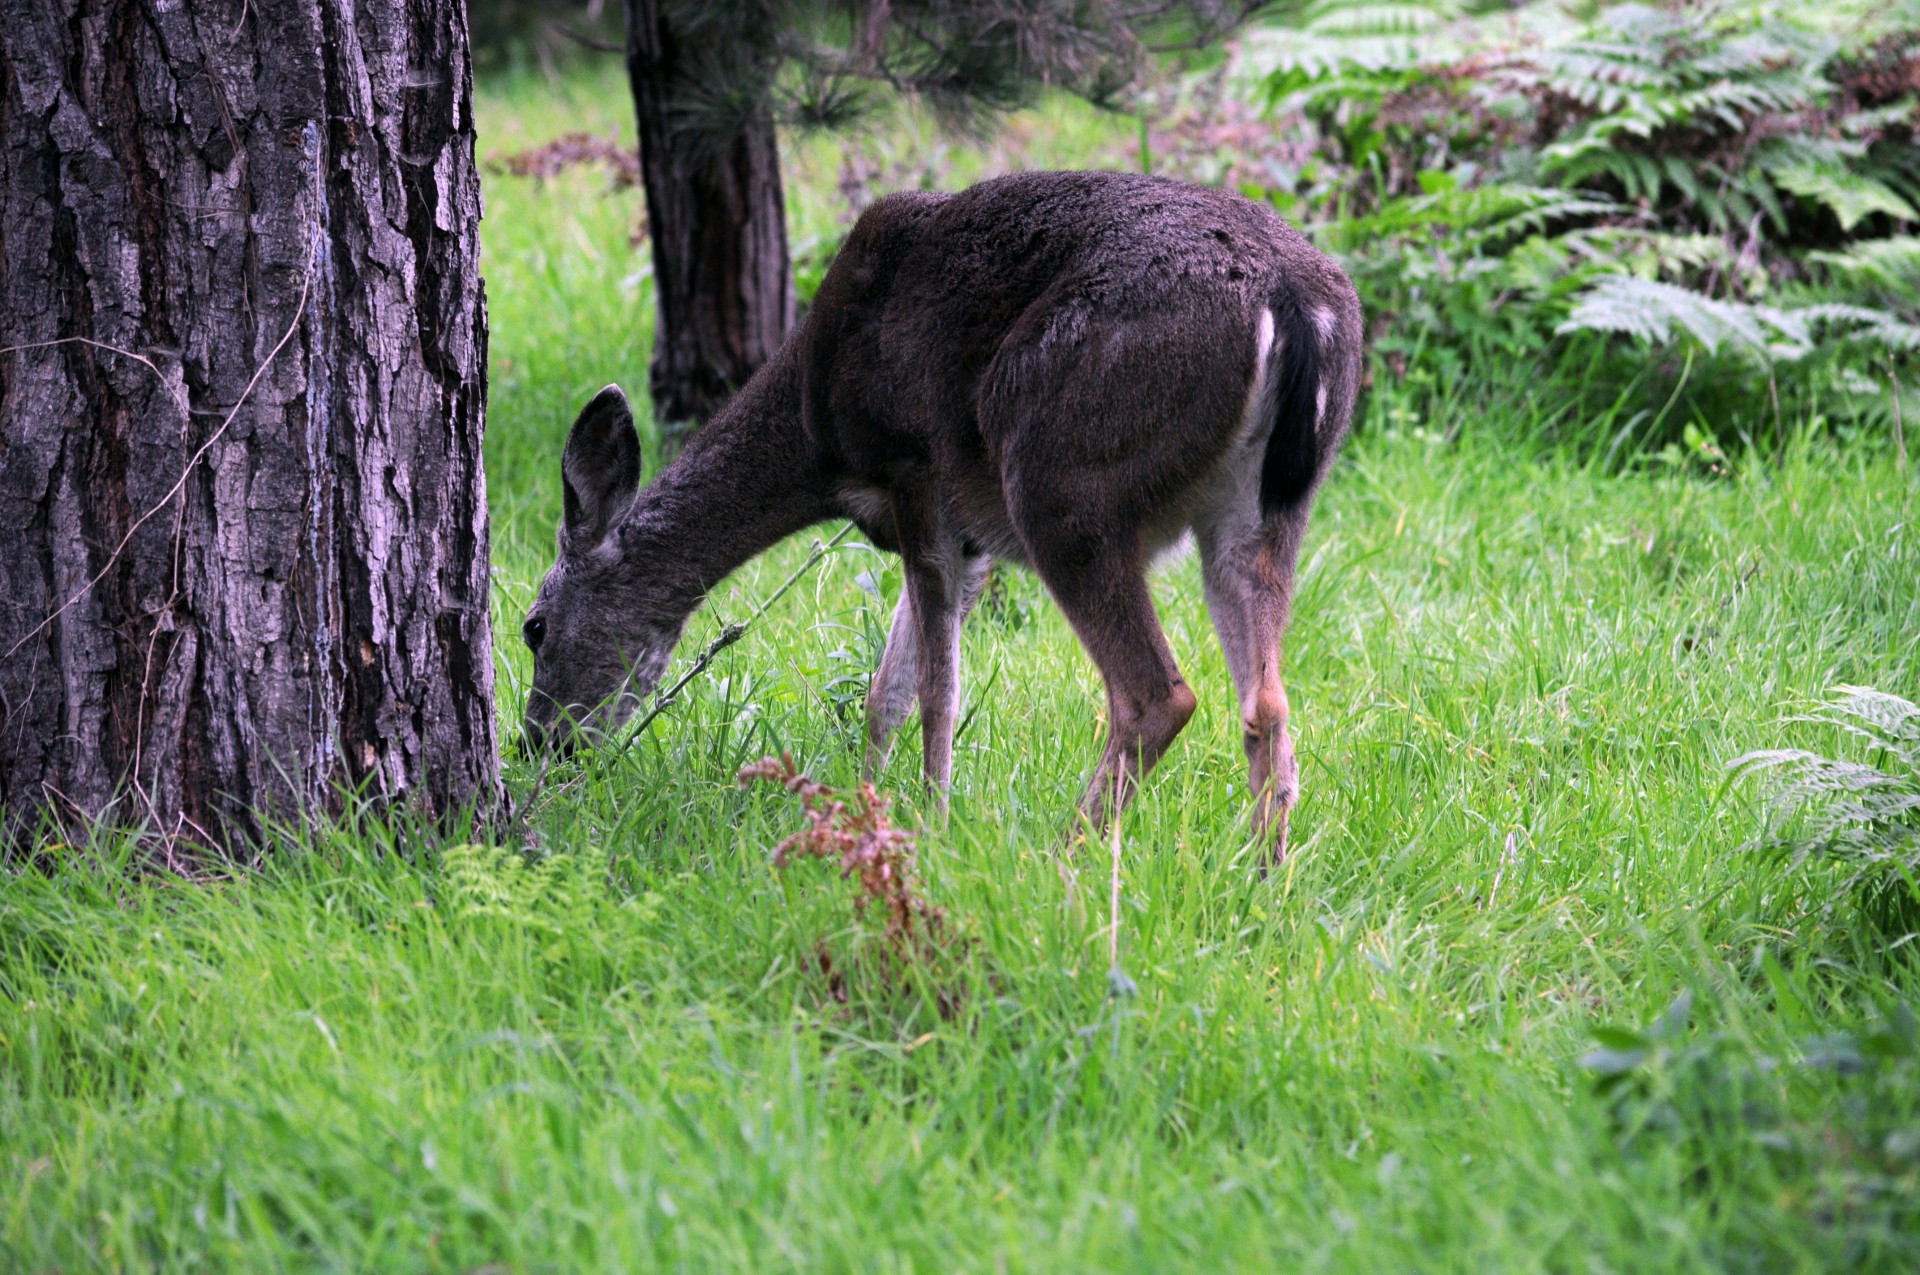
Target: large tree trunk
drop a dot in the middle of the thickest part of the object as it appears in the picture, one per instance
(243, 533)
(717, 219)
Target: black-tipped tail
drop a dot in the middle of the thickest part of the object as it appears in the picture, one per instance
(1294, 448)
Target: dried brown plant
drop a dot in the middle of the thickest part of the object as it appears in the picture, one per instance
(570, 150)
(859, 836)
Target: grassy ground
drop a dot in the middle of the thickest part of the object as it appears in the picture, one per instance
(1517, 683)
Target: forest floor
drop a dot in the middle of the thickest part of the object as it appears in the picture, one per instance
(1518, 678)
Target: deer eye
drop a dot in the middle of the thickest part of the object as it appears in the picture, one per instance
(534, 631)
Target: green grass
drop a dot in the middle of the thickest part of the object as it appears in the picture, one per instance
(1516, 682)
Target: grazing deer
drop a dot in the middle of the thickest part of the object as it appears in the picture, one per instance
(1065, 370)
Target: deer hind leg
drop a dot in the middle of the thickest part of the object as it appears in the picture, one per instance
(896, 682)
(1248, 566)
(1102, 590)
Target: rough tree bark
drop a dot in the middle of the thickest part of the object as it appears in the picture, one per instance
(243, 536)
(717, 218)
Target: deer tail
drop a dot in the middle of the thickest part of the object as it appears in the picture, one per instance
(1309, 389)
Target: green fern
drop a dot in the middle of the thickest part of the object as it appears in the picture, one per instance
(1851, 195)
(1864, 813)
(1334, 39)
(558, 899)
(1657, 313)
(1856, 324)
(1891, 265)
(1651, 68)
(1472, 217)
(1662, 90)
(1705, 175)
(486, 880)
(1856, 809)
(1328, 18)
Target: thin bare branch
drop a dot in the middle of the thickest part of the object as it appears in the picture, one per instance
(586, 40)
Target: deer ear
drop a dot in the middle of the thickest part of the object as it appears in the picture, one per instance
(600, 468)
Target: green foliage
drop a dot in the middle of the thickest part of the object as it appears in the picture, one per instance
(1334, 40)
(1855, 810)
(1852, 196)
(1889, 268)
(817, 65)
(1732, 180)
(553, 895)
(1653, 311)
(1712, 1102)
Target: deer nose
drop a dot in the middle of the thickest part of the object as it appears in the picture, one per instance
(555, 740)
(537, 727)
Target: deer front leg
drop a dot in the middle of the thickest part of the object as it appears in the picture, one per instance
(896, 683)
(936, 612)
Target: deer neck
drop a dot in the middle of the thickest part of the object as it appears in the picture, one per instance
(745, 481)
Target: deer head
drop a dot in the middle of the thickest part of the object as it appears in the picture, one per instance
(603, 625)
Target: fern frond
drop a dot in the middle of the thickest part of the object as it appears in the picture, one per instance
(554, 898)
(1867, 811)
(1473, 216)
(1852, 196)
(1590, 156)
(1656, 254)
(1343, 20)
(1599, 75)
(1651, 311)
(1862, 325)
(1655, 312)
(484, 880)
(1886, 722)
(1341, 39)
(1892, 264)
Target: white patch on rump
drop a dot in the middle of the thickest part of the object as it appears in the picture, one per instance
(1263, 341)
(1324, 321)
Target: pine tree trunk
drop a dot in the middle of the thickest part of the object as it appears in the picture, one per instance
(717, 219)
(243, 531)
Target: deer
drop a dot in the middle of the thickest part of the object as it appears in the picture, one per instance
(1069, 371)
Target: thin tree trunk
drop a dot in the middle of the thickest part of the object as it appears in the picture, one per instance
(717, 219)
(243, 536)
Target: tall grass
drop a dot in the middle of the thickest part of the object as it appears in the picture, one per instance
(1517, 675)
